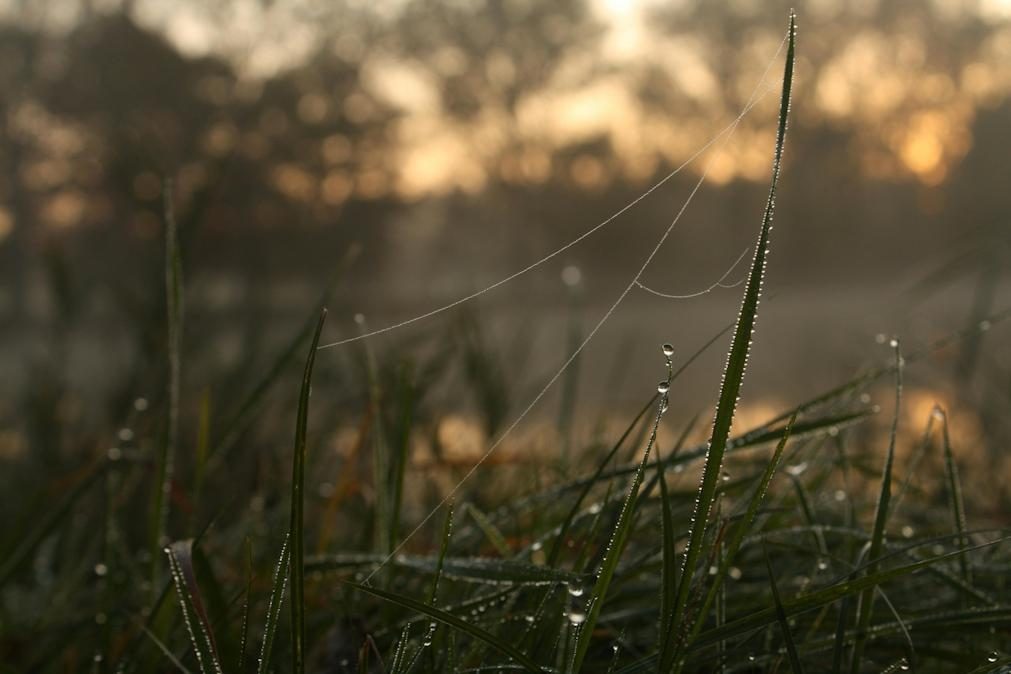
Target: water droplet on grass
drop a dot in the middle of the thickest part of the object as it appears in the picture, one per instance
(576, 590)
(663, 387)
(668, 350)
(576, 617)
(101, 569)
(907, 531)
(993, 657)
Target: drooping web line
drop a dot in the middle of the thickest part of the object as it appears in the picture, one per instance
(755, 98)
(728, 133)
(718, 284)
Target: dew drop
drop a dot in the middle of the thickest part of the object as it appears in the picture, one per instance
(125, 434)
(668, 350)
(101, 570)
(822, 565)
(140, 404)
(984, 326)
(529, 618)
(576, 590)
(576, 617)
(114, 454)
(993, 657)
(663, 387)
(735, 573)
(713, 569)
(907, 531)
(101, 618)
(537, 545)
(839, 495)
(894, 343)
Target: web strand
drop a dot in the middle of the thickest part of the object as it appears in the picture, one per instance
(628, 288)
(752, 102)
(718, 284)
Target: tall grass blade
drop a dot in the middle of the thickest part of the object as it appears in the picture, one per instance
(743, 528)
(737, 360)
(296, 526)
(784, 623)
(619, 536)
(450, 620)
(866, 605)
(174, 323)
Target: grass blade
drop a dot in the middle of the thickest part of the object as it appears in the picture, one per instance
(556, 546)
(174, 320)
(490, 531)
(476, 569)
(743, 528)
(955, 497)
(450, 620)
(180, 555)
(737, 359)
(865, 607)
(668, 575)
(274, 605)
(784, 623)
(619, 536)
(244, 629)
(296, 526)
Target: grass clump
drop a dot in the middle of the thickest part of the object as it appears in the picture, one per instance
(631, 566)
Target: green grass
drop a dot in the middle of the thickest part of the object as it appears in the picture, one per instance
(632, 553)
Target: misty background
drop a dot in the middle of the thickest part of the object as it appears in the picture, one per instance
(407, 154)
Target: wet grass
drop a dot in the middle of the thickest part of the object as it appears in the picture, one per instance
(631, 554)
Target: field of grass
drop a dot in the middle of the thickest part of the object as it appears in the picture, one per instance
(220, 532)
